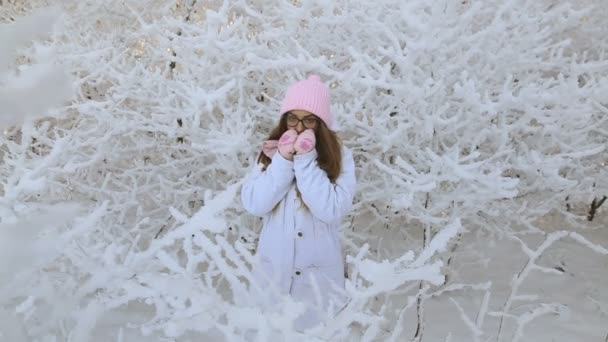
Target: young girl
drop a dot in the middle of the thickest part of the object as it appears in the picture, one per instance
(304, 187)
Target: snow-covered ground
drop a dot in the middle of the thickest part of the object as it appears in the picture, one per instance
(579, 291)
(579, 288)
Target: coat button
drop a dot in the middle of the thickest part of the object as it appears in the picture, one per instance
(297, 272)
(300, 234)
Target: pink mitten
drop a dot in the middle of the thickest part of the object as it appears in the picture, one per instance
(270, 148)
(286, 148)
(306, 142)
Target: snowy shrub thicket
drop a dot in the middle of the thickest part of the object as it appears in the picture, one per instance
(129, 125)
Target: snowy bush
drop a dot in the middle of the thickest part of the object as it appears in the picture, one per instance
(479, 130)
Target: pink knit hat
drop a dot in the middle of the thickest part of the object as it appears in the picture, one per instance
(310, 95)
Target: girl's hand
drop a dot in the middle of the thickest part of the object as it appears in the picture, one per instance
(286, 144)
(270, 147)
(306, 142)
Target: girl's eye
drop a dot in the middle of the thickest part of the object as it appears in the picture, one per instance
(310, 121)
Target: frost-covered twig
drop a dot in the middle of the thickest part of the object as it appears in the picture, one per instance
(473, 327)
(530, 265)
(527, 317)
(49, 82)
(595, 204)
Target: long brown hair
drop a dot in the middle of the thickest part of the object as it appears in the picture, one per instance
(329, 148)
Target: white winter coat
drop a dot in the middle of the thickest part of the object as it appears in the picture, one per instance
(299, 244)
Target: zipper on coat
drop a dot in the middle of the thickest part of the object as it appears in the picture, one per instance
(291, 234)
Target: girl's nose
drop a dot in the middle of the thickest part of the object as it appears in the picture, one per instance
(299, 127)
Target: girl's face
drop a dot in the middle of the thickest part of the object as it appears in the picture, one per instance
(301, 120)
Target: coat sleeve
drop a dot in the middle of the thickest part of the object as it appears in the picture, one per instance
(328, 202)
(264, 189)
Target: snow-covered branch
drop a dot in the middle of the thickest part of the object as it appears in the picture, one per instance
(127, 129)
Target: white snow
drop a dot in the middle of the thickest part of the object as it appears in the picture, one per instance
(479, 131)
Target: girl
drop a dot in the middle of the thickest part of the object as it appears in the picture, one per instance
(304, 187)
